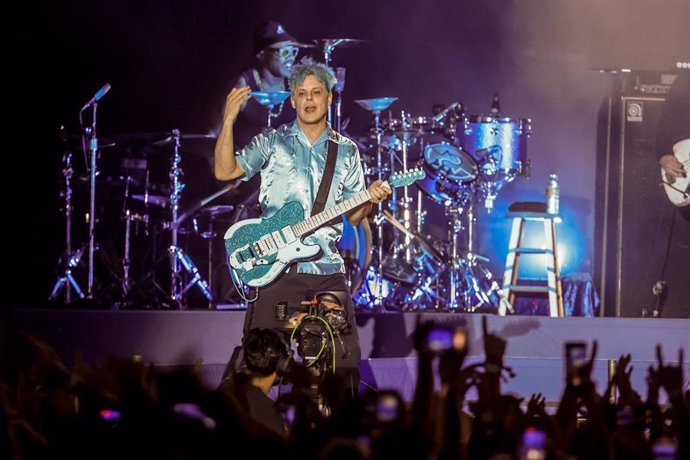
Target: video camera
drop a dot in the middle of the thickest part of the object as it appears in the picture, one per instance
(315, 324)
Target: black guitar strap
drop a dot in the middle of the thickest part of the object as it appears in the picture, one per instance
(325, 185)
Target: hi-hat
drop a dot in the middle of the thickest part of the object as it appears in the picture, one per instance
(377, 104)
(270, 98)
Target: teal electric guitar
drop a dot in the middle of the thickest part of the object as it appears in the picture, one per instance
(261, 249)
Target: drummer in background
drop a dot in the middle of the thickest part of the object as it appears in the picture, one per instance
(275, 52)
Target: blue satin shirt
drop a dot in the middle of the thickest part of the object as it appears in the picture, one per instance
(291, 170)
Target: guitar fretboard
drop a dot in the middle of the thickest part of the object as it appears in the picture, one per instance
(314, 222)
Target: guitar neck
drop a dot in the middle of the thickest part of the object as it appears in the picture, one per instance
(314, 222)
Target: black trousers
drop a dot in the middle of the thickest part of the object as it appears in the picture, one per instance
(294, 288)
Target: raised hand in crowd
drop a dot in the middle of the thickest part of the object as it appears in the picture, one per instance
(671, 379)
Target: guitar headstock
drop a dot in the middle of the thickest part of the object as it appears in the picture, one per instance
(404, 178)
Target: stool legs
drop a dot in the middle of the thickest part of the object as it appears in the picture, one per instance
(510, 274)
(552, 270)
(511, 271)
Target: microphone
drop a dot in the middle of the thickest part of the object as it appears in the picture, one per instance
(444, 112)
(96, 97)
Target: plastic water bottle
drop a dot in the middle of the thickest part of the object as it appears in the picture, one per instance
(552, 194)
(495, 106)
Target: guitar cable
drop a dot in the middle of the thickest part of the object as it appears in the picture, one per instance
(669, 184)
(239, 286)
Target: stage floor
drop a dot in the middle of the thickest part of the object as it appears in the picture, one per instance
(181, 337)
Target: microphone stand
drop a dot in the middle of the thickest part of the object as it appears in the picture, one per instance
(93, 151)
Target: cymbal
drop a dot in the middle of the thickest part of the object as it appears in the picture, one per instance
(158, 200)
(74, 141)
(186, 137)
(376, 104)
(270, 98)
(331, 43)
(140, 139)
(144, 139)
(217, 210)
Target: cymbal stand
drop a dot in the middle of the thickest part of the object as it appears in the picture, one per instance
(178, 258)
(129, 218)
(378, 218)
(338, 93)
(479, 288)
(70, 259)
(406, 216)
(454, 228)
(375, 106)
(327, 51)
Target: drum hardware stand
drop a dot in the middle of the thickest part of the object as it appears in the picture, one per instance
(405, 125)
(210, 234)
(178, 258)
(129, 218)
(70, 259)
(375, 106)
(327, 46)
(338, 92)
(455, 227)
(469, 269)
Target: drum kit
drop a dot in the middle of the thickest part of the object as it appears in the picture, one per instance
(398, 266)
(467, 160)
(141, 250)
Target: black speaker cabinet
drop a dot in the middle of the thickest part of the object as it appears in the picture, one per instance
(640, 237)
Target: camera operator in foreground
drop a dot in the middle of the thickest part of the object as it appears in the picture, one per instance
(268, 359)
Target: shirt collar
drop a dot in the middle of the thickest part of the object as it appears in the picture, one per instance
(293, 129)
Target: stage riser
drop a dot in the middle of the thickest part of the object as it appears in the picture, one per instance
(178, 338)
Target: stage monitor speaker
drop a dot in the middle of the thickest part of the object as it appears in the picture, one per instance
(640, 238)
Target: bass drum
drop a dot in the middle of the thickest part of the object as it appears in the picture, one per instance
(355, 249)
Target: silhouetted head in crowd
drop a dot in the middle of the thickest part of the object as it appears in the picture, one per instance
(266, 351)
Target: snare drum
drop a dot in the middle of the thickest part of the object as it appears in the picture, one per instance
(498, 144)
(448, 171)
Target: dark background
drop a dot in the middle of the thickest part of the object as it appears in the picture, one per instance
(170, 63)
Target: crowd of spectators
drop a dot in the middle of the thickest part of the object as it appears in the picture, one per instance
(127, 409)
